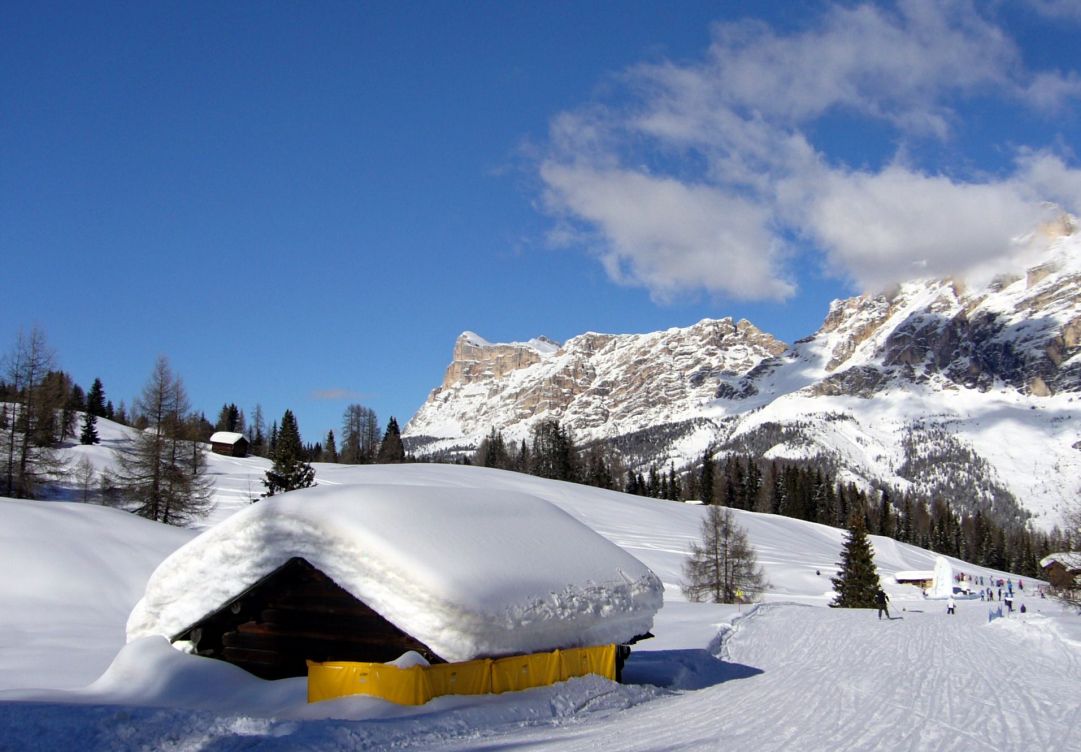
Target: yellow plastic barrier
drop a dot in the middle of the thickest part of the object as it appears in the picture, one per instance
(468, 678)
(405, 686)
(600, 660)
(525, 672)
(419, 684)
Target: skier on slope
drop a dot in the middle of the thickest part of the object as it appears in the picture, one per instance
(881, 599)
(951, 606)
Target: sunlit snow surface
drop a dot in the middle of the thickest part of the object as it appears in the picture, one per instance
(789, 674)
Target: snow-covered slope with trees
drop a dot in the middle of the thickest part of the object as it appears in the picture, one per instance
(971, 391)
(787, 674)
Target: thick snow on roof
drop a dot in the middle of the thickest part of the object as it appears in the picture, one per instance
(226, 437)
(1068, 559)
(913, 575)
(467, 571)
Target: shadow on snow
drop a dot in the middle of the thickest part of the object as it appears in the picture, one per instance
(682, 669)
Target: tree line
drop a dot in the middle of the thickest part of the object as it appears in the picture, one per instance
(802, 490)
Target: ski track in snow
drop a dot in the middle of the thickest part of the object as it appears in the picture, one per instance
(791, 677)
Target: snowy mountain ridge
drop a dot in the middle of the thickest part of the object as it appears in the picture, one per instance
(915, 388)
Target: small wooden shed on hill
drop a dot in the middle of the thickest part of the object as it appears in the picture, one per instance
(370, 572)
(229, 444)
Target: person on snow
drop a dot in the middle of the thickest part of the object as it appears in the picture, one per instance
(1008, 600)
(881, 599)
(951, 605)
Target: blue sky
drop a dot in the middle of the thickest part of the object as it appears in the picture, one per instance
(303, 204)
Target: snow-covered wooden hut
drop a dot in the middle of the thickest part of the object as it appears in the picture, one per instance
(1063, 570)
(229, 443)
(370, 572)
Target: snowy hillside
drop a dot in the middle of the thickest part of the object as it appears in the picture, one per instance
(915, 389)
(788, 674)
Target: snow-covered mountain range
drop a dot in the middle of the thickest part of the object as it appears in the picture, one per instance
(968, 390)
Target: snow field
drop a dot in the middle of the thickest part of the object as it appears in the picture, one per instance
(788, 674)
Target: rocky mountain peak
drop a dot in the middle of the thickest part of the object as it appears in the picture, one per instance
(592, 382)
(963, 391)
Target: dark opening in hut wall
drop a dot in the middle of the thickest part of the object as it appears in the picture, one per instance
(296, 614)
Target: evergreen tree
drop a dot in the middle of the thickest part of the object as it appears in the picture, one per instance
(290, 470)
(778, 495)
(857, 581)
(886, 521)
(391, 448)
(598, 469)
(554, 454)
(95, 399)
(256, 433)
(89, 433)
(705, 484)
(723, 565)
(330, 451)
(230, 419)
(492, 451)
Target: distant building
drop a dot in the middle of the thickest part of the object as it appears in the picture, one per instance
(230, 444)
(1063, 570)
(921, 579)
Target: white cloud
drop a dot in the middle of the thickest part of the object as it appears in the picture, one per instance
(735, 169)
(668, 236)
(1069, 10)
(878, 228)
(335, 394)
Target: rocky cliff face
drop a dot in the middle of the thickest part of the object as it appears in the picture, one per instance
(934, 386)
(594, 383)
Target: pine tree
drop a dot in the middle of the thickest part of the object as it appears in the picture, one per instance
(723, 565)
(554, 453)
(290, 470)
(95, 400)
(705, 484)
(857, 581)
(330, 451)
(492, 451)
(230, 419)
(89, 433)
(256, 437)
(391, 449)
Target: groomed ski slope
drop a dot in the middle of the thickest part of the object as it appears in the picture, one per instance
(792, 677)
(842, 680)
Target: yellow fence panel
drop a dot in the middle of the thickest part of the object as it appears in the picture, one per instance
(525, 672)
(417, 685)
(468, 678)
(600, 660)
(405, 686)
